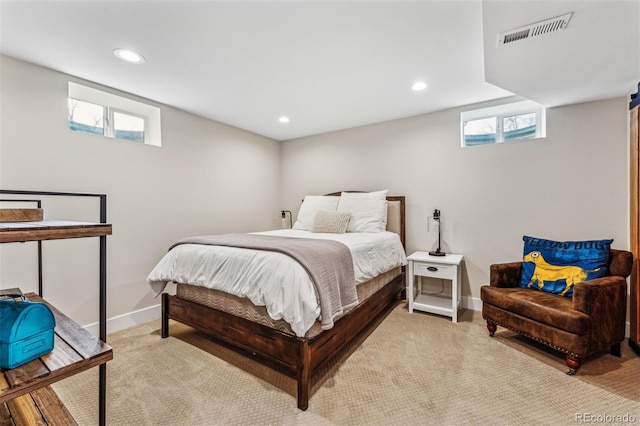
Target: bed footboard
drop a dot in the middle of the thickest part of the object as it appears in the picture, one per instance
(299, 358)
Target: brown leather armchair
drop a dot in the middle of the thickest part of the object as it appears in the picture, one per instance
(592, 321)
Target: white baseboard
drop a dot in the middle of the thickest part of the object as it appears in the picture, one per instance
(127, 320)
(153, 312)
(471, 303)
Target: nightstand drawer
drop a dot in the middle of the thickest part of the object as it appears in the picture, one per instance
(435, 270)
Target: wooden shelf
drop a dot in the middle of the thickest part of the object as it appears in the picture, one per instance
(24, 391)
(13, 232)
(40, 407)
(75, 350)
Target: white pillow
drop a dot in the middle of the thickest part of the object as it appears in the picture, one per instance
(368, 210)
(310, 206)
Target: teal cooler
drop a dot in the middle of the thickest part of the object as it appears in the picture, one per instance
(26, 332)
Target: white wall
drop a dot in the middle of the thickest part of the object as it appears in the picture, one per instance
(571, 185)
(213, 178)
(206, 178)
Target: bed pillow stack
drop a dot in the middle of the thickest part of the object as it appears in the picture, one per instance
(350, 212)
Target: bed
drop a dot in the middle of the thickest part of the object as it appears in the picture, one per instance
(299, 351)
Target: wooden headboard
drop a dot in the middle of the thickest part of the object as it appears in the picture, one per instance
(395, 214)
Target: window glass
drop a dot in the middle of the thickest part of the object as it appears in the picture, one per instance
(481, 131)
(518, 127)
(86, 117)
(506, 122)
(128, 127)
(113, 116)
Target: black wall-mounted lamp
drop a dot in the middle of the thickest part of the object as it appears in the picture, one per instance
(284, 216)
(436, 218)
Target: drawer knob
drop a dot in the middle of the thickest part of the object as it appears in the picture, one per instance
(432, 268)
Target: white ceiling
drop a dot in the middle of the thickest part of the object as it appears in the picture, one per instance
(330, 65)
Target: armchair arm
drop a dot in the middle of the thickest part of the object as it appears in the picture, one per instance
(607, 293)
(505, 274)
(605, 301)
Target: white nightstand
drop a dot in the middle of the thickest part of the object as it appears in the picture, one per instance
(421, 264)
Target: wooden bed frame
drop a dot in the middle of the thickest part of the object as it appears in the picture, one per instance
(300, 358)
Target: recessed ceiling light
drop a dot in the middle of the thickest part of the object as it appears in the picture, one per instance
(284, 119)
(418, 86)
(129, 56)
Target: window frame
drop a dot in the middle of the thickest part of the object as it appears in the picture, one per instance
(114, 103)
(500, 112)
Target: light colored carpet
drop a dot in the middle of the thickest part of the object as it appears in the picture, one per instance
(413, 369)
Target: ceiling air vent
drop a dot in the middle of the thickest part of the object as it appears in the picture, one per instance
(558, 23)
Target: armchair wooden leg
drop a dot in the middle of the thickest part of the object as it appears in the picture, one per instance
(492, 328)
(615, 350)
(574, 363)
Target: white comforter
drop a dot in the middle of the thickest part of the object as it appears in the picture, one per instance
(271, 279)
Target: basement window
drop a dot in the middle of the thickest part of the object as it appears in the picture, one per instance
(504, 123)
(100, 113)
